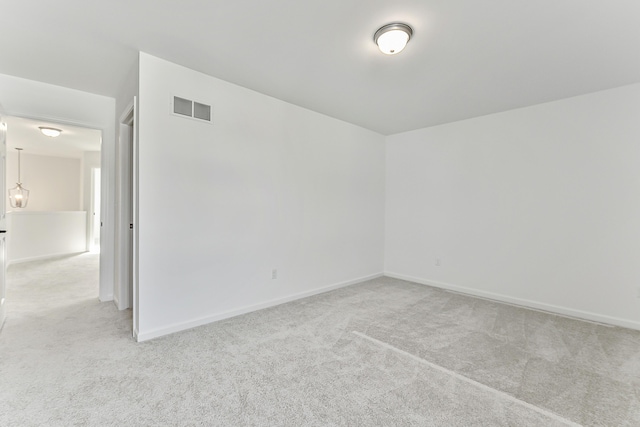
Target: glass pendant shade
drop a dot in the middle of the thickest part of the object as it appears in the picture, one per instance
(18, 196)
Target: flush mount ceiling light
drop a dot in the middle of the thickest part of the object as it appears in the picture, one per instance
(392, 38)
(52, 132)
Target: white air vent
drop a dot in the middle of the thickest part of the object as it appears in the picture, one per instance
(188, 108)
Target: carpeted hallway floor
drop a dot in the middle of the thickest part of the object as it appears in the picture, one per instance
(382, 353)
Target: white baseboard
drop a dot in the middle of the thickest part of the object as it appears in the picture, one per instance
(550, 308)
(41, 257)
(106, 298)
(243, 310)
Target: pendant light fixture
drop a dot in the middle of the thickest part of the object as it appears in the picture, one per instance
(18, 196)
(392, 38)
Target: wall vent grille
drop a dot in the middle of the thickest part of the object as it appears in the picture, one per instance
(188, 108)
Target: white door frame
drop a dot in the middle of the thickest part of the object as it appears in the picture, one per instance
(3, 225)
(107, 255)
(126, 286)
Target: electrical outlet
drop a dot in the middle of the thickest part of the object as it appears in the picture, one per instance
(438, 262)
(274, 274)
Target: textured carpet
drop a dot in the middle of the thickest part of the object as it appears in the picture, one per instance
(385, 352)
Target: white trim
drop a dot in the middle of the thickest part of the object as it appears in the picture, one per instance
(128, 119)
(123, 189)
(127, 114)
(232, 313)
(549, 308)
(501, 394)
(106, 298)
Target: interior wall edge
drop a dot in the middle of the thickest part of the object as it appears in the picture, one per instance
(521, 302)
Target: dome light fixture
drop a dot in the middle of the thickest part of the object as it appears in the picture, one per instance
(392, 38)
(51, 132)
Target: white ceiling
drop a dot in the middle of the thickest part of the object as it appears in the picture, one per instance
(467, 58)
(72, 142)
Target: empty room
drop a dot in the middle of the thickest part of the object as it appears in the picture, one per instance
(329, 213)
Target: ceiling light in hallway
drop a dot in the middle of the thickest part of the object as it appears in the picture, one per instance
(392, 38)
(52, 132)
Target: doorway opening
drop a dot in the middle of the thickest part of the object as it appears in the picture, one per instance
(125, 293)
(61, 219)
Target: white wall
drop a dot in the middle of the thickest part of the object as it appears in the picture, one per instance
(128, 90)
(37, 235)
(268, 185)
(90, 160)
(31, 99)
(53, 182)
(538, 206)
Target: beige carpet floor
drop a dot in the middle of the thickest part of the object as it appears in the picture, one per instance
(382, 353)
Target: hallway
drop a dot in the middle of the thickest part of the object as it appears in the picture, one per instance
(56, 330)
(47, 298)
